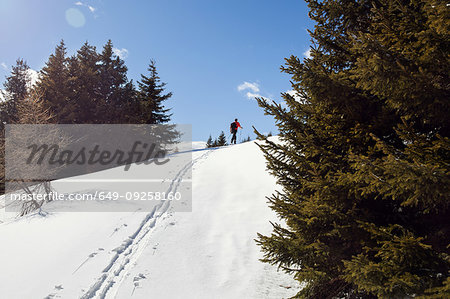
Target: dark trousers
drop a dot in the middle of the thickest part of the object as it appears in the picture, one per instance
(234, 136)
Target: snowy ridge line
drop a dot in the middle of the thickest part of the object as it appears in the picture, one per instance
(132, 247)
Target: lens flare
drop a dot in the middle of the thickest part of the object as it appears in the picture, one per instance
(75, 18)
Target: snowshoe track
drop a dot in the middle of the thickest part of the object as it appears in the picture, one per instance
(128, 252)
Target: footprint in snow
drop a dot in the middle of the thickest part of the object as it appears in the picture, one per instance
(170, 224)
(54, 295)
(155, 247)
(139, 277)
(117, 229)
(136, 281)
(93, 254)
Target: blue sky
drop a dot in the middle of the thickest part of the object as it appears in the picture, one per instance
(214, 55)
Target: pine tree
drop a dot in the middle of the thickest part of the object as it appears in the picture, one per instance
(209, 143)
(85, 84)
(364, 161)
(17, 86)
(221, 140)
(116, 94)
(53, 86)
(129, 107)
(151, 98)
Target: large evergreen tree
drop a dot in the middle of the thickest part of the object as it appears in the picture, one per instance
(88, 87)
(365, 160)
(91, 87)
(151, 98)
(116, 94)
(53, 86)
(17, 86)
(85, 85)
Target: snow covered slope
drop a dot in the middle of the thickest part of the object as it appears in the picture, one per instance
(207, 253)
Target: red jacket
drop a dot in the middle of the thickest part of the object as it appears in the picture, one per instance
(238, 125)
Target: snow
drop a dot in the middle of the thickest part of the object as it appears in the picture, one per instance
(207, 253)
(34, 77)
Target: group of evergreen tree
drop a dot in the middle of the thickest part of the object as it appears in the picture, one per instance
(88, 88)
(365, 155)
(222, 140)
(219, 141)
(85, 88)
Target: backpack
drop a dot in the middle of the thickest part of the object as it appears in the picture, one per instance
(233, 126)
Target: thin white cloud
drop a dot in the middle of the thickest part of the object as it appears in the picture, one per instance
(4, 66)
(247, 85)
(90, 7)
(307, 53)
(251, 90)
(122, 53)
(252, 95)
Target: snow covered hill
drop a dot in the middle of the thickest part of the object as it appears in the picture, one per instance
(207, 253)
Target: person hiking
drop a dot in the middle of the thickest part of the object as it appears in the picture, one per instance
(233, 129)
